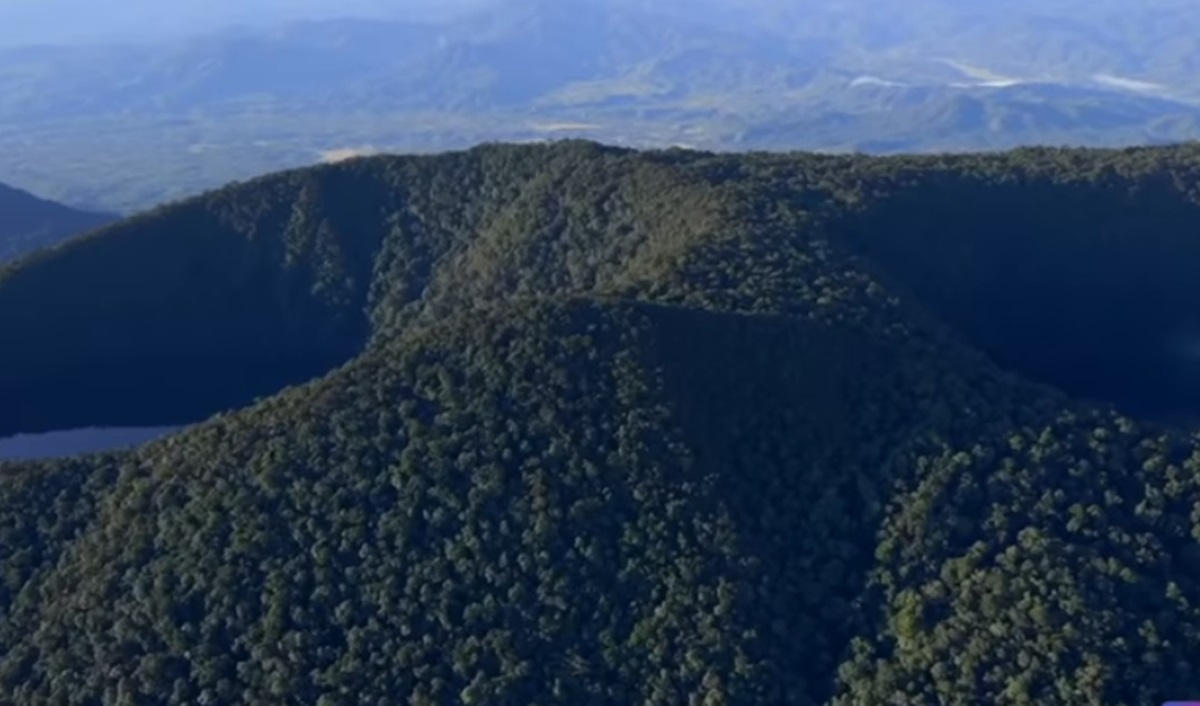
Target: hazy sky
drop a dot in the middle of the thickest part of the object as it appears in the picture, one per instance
(38, 21)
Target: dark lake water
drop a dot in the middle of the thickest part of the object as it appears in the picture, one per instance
(57, 444)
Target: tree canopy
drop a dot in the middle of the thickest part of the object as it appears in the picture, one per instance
(581, 425)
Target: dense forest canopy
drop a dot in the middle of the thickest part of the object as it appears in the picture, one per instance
(577, 424)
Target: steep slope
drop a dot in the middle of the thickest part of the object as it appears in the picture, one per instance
(584, 425)
(28, 223)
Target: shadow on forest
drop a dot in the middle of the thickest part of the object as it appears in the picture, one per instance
(1089, 287)
(772, 407)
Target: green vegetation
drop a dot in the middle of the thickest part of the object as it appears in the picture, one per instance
(571, 424)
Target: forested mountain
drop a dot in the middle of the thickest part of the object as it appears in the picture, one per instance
(262, 86)
(581, 425)
(28, 223)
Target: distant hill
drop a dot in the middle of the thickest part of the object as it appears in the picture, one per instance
(131, 124)
(574, 424)
(878, 117)
(28, 222)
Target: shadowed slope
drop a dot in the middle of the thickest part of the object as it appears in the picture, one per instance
(1071, 267)
(204, 305)
(184, 307)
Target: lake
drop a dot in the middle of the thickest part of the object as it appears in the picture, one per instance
(58, 444)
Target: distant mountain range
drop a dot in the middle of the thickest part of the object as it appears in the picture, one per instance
(124, 125)
(28, 222)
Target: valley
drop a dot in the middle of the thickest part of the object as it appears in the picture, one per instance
(121, 125)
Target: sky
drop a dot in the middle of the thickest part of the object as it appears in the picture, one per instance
(59, 21)
(40, 21)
